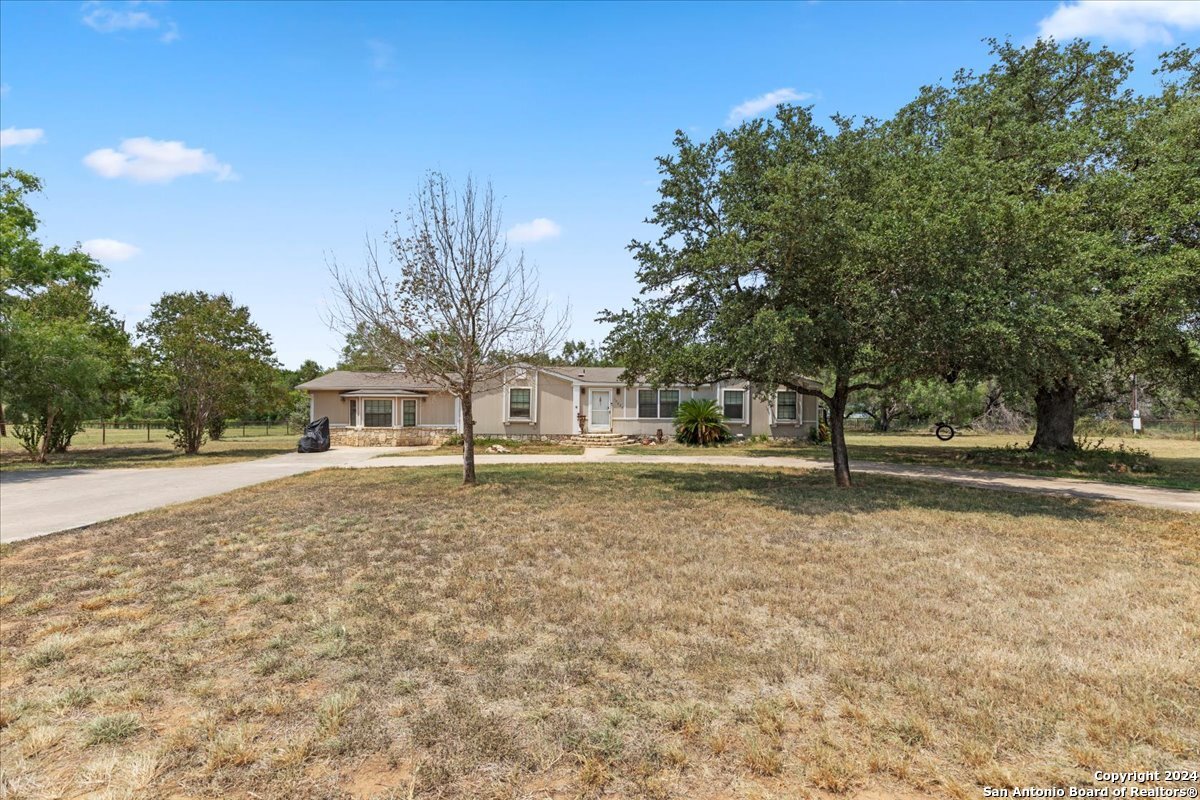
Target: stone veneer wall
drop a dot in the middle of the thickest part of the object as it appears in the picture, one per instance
(387, 437)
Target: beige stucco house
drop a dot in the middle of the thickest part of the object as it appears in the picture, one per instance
(393, 408)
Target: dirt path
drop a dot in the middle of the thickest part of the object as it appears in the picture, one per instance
(36, 503)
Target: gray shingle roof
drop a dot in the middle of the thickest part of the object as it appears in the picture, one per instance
(343, 380)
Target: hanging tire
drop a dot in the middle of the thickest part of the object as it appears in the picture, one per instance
(944, 432)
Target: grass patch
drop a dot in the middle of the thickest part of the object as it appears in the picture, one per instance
(636, 630)
(483, 443)
(111, 729)
(1145, 461)
(87, 452)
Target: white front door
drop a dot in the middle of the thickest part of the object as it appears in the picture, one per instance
(600, 410)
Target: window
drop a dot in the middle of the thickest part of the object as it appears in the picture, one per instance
(647, 403)
(377, 413)
(409, 414)
(785, 406)
(518, 403)
(733, 404)
(353, 413)
(668, 402)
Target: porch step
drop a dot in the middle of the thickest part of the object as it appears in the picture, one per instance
(601, 439)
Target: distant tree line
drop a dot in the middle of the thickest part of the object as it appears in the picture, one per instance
(196, 361)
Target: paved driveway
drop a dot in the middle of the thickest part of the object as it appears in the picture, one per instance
(34, 503)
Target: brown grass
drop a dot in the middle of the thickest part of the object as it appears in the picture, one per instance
(611, 630)
(88, 453)
(1171, 463)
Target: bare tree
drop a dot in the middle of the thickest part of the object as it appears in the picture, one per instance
(461, 308)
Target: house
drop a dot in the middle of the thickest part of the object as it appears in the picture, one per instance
(392, 408)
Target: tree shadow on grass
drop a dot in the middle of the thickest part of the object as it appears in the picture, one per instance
(813, 493)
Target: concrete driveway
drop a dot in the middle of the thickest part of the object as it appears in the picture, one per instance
(38, 502)
(35, 503)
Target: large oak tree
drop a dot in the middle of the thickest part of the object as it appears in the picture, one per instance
(1088, 255)
(788, 253)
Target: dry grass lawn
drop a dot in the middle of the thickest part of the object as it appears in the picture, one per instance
(125, 448)
(1175, 461)
(601, 630)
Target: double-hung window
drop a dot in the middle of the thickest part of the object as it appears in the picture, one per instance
(518, 403)
(733, 404)
(377, 413)
(408, 413)
(785, 406)
(647, 404)
(668, 403)
(657, 403)
(353, 413)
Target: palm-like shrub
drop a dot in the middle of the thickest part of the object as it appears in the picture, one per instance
(699, 422)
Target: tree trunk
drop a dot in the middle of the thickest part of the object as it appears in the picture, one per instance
(3, 423)
(1055, 417)
(47, 433)
(837, 432)
(468, 441)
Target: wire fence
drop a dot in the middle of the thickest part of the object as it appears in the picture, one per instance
(105, 432)
(1163, 428)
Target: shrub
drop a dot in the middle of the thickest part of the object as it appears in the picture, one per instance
(699, 422)
(819, 434)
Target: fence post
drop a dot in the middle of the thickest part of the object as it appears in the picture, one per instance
(103, 432)
(243, 428)
(147, 432)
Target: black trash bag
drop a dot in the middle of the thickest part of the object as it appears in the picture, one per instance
(315, 438)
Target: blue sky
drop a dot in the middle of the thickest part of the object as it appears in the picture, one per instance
(234, 146)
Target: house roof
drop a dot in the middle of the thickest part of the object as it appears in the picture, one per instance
(363, 383)
(345, 380)
(588, 374)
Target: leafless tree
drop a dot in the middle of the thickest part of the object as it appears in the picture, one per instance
(454, 305)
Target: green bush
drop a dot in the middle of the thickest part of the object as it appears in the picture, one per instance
(699, 422)
(819, 434)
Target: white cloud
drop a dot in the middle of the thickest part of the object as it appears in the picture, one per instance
(1138, 22)
(110, 250)
(15, 137)
(756, 105)
(147, 160)
(108, 17)
(383, 55)
(534, 231)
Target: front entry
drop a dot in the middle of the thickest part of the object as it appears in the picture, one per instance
(599, 410)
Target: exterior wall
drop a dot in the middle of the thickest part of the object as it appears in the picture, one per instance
(552, 410)
(437, 409)
(330, 404)
(759, 413)
(626, 420)
(555, 404)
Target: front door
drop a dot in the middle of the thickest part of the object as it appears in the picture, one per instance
(600, 407)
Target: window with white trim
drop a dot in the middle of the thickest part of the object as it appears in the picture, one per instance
(668, 403)
(785, 406)
(647, 404)
(733, 404)
(353, 413)
(377, 413)
(657, 403)
(408, 413)
(519, 403)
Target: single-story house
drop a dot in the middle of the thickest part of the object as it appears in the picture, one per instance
(389, 408)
